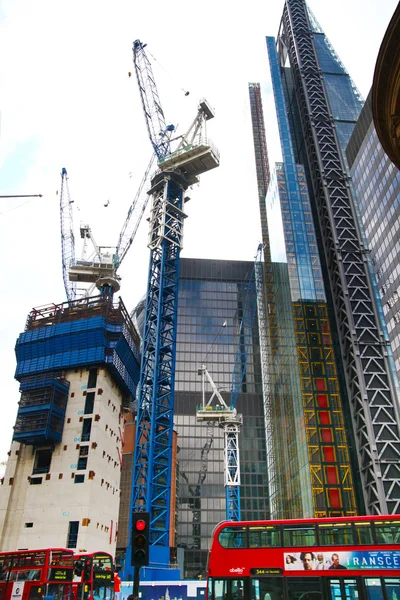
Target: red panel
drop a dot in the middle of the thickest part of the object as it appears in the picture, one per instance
(331, 475)
(329, 454)
(322, 400)
(320, 384)
(334, 498)
(324, 417)
(326, 435)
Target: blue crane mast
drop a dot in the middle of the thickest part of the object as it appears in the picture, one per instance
(226, 415)
(151, 479)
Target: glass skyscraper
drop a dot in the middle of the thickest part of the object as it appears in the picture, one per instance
(307, 449)
(211, 293)
(348, 377)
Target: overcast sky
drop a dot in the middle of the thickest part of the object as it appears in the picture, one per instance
(66, 100)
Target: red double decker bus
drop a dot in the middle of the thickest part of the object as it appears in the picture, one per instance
(34, 574)
(347, 558)
(93, 576)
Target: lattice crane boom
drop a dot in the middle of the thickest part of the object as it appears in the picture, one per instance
(67, 235)
(159, 132)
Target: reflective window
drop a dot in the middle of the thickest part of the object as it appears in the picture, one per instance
(387, 532)
(299, 535)
(220, 589)
(392, 586)
(363, 533)
(304, 589)
(264, 537)
(233, 537)
(374, 589)
(270, 588)
(343, 589)
(335, 534)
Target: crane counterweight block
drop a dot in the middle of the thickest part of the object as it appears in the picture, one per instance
(161, 177)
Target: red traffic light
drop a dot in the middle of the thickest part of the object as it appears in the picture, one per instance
(140, 525)
(140, 539)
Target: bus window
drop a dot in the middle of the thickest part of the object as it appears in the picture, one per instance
(363, 533)
(237, 589)
(387, 532)
(267, 589)
(102, 592)
(335, 534)
(299, 535)
(374, 589)
(59, 591)
(36, 592)
(264, 537)
(233, 537)
(300, 588)
(220, 589)
(392, 588)
(345, 589)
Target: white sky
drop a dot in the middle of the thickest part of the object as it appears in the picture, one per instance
(66, 100)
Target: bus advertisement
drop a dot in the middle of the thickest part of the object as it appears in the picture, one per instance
(306, 559)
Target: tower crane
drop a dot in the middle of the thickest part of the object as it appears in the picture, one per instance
(177, 170)
(226, 415)
(192, 156)
(99, 265)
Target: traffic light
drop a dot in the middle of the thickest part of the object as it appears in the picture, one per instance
(140, 539)
(87, 569)
(78, 568)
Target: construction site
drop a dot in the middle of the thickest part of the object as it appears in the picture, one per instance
(231, 390)
(112, 405)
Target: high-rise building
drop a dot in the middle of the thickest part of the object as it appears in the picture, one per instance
(322, 105)
(376, 183)
(78, 367)
(307, 448)
(212, 295)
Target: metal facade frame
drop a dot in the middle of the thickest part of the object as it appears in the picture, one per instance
(369, 379)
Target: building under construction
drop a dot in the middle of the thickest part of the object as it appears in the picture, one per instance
(78, 366)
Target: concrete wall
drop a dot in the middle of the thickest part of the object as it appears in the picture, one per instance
(34, 516)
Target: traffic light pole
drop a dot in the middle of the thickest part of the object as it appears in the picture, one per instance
(136, 582)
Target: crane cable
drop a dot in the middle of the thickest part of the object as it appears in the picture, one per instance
(224, 324)
(186, 92)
